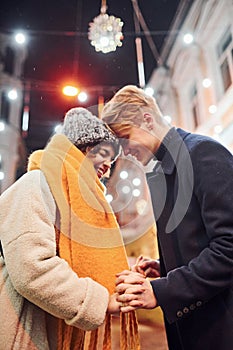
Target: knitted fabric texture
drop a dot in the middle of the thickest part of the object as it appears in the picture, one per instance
(83, 128)
(88, 235)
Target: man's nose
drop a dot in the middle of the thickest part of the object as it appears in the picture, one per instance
(126, 151)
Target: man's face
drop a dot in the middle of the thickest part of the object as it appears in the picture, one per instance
(138, 142)
(102, 157)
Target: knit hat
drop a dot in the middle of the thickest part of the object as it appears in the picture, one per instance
(82, 128)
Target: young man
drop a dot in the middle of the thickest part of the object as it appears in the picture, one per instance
(191, 189)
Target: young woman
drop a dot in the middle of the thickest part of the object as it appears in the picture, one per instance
(61, 243)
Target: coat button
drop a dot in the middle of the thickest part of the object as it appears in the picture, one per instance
(179, 313)
(198, 303)
(192, 307)
(185, 310)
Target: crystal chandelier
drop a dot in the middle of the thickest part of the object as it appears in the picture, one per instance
(105, 32)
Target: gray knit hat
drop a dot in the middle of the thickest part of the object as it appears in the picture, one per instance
(83, 128)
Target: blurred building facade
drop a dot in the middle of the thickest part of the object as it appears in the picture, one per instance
(194, 85)
(12, 150)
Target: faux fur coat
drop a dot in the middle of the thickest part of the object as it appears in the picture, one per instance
(36, 286)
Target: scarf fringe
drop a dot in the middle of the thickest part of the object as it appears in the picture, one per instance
(129, 336)
(107, 342)
(69, 337)
(75, 339)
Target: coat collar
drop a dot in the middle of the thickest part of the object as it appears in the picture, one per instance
(167, 153)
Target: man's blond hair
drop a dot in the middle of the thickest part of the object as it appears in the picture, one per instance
(128, 105)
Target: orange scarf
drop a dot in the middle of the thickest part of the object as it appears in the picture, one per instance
(88, 235)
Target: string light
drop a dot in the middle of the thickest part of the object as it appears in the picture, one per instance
(2, 126)
(105, 32)
(20, 38)
(212, 109)
(82, 96)
(13, 94)
(188, 38)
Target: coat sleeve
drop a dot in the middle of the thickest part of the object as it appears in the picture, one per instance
(208, 274)
(27, 211)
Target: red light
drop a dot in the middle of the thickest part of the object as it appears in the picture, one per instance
(70, 90)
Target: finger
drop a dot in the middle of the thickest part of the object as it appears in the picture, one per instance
(126, 273)
(123, 273)
(152, 272)
(129, 299)
(132, 305)
(139, 270)
(127, 282)
(135, 289)
(126, 309)
(145, 263)
(150, 263)
(133, 277)
(129, 289)
(134, 268)
(121, 288)
(140, 258)
(121, 279)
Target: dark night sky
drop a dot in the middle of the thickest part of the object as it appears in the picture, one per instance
(55, 57)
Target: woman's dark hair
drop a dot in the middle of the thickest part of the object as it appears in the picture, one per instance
(115, 145)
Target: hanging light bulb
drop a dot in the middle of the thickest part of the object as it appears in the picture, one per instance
(105, 32)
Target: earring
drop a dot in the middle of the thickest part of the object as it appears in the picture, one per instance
(150, 127)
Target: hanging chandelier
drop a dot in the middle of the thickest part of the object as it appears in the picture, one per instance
(105, 32)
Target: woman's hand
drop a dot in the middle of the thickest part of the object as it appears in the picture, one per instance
(147, 267)
(114, 306)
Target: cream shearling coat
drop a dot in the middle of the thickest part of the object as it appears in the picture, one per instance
(36, 286)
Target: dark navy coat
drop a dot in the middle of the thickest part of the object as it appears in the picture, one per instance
(192, 195)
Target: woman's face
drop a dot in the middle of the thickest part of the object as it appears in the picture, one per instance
(102, 157)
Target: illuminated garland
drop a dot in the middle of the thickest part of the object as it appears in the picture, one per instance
(105, 32)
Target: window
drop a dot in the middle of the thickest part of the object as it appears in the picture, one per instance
(5, 107)
(9, 61)
(225, 59)
(194, 106)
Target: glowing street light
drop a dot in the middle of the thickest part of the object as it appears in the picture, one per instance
(168, 118)
(1, 175)
(124, 174)
(2, 126)
(57, 128)
(136, 192)
(206, 82)
(20, 38)
(109, 198)
(136, 181)
(212, 109)
(12, 94)
(70, 90)
(149, 91)
(188, 38)
(82, 96)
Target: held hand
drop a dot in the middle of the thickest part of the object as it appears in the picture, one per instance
(114, 307)
(148, 267)
(134, 291)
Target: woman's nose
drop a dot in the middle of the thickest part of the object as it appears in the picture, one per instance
(107, 164)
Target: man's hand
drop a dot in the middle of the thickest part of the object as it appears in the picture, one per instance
(147, 267)
(134, 291)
